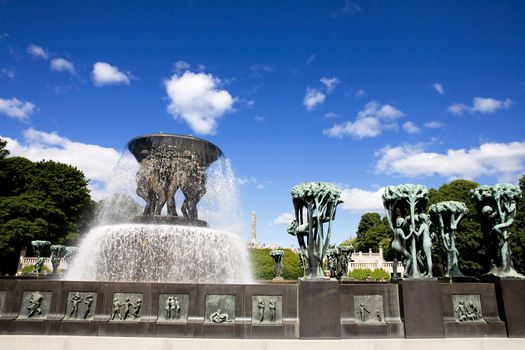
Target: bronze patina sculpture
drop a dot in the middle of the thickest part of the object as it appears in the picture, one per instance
(338, 259)
(168, 163)
(58, 252)
(314, 204)
(277, 256)
(403, 204)
(445, 219)
(39, 245)
(496, 206)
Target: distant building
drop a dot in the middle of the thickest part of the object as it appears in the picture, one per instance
(372, 261)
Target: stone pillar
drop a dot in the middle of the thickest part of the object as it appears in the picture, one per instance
(423, 315)
(319, 312)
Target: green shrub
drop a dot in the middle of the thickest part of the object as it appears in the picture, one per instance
(262, 264)
(379, 274)
(362, 274)
(29, 269)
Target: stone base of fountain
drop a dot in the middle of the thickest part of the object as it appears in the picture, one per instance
(266, 310)
(169, 220)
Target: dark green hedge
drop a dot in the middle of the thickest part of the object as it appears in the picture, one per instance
(262, 264)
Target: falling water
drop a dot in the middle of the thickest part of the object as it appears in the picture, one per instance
(161, 253)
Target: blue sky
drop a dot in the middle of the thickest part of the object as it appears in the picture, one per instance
(361, 93)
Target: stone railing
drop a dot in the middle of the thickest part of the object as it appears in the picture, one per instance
(25, 260)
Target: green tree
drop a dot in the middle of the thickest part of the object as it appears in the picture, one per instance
(43, 200)
(373, 233)
(3, 151)
(469, 239)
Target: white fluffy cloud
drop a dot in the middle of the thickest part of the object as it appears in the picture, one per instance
(411, 128)
(37, 51)
(181, 65)
(359, 94)
(284, 219)
(17, 109)
(329, 83)
(105, 74)
(312, 98)
(434, 125)
(197, 99)
(484, 105)
(95, 161)
(8, 73)
(502, 160)
(356, 200)
(315, 97)
(62, 65)
(439, 88)
(370, 122)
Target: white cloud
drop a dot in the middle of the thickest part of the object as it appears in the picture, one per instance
(359, 94)
(411, 128)
(331, 115)
(8, 73)
(458, 108)
(312, 98)
(252, 180)
(181, 65)
(258, 118)
(17, 109)
(484, 105)
(439, 88)
(95, 161)
(284, 219)
(329, 83)
(434, 125)
(489, 105)
(62, 65)
(105, 74)
(241, 181)
(197, 99)
(502, 160)
(315, 97)
(37, 51)
(357, 200)
(370, 122)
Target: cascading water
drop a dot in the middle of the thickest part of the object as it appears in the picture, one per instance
(166, 252)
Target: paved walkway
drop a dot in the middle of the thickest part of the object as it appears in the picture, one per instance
(37, 342)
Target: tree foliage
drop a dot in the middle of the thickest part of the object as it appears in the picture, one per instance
(39, 200)
(3, 151)
(372, 233)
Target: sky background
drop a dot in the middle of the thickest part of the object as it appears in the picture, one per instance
(364, 94)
